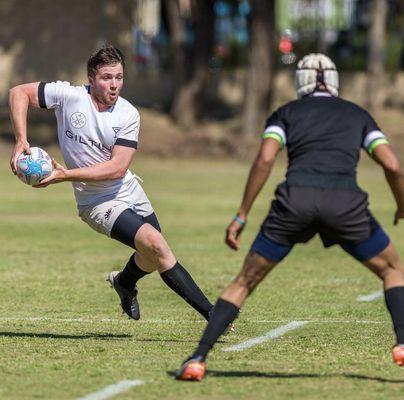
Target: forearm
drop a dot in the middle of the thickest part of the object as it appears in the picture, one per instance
(19, 103)
(258, 175)
(103, 171)
(396, 183)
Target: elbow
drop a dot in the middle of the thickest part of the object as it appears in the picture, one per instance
(264, 163)
(12, 92)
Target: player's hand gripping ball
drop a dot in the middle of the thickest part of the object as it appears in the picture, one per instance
(32, 168)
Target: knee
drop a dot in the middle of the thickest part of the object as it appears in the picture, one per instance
(391, 268)
(156, 244)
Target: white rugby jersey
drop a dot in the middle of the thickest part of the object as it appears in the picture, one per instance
(87, 137)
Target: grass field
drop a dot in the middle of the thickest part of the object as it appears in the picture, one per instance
(62, 335)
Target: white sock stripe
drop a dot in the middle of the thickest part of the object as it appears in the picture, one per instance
(273, 334)
(112, 390)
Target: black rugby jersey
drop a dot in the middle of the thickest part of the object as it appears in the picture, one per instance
(323, 136)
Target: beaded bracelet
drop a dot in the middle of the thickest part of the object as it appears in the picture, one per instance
(239, 220)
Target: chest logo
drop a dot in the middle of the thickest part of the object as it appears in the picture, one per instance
(78, 120)
(116, 130)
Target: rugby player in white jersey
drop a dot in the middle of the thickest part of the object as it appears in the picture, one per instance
(98, 134)
(323, 135)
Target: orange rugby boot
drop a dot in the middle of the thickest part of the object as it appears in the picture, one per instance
(192, 370)
(398, 354)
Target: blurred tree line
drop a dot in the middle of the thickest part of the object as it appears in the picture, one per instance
(192, 67)
(378, 23)
(53, 43)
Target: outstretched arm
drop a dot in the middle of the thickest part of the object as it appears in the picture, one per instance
(385, 156)
(258, 175)
(20, 98)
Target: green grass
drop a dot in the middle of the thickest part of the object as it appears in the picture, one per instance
(52, 267)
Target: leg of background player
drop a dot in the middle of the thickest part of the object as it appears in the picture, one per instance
(226, 309)
(387, 266)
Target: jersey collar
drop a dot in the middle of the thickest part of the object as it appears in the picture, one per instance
(319, 94)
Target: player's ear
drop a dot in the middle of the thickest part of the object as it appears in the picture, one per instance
(91, 80)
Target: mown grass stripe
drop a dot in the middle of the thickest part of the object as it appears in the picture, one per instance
(273, 334)
(112, 390)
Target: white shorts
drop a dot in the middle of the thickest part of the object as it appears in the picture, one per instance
(101, 217)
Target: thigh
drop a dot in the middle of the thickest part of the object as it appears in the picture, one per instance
(387, 266)
(153, 221)
(128, 224)
(102, 217)
(386, 259)
(369, 248)
(256, 267)
(254, 270)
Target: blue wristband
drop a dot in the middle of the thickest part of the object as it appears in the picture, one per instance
(239, 220)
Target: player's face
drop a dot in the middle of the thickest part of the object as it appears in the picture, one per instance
(107, 84)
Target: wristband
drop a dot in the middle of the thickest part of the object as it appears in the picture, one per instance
(239, 220)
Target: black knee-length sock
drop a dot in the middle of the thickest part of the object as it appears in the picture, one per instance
(223, 314)
(179, 280)
(131, 274)
(395, 303)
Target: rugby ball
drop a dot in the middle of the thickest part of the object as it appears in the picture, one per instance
(32, 168)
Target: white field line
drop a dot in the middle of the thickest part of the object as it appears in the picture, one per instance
(370, 297)
(175, 321)
(273, 334)
(112, 390)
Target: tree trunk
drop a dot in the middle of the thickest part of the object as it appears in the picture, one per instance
(376, 39)
(192, 71)
(177, 36)
(260, 69)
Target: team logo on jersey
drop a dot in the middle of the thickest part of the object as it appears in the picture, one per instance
(116, 130)
(78, 120)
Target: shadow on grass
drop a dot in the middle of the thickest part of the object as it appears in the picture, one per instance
(100, 336)
(282, 375)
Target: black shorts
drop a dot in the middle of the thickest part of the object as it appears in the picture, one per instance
(339, 216)
(128, 223)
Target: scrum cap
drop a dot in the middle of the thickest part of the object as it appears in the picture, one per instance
(313, 70)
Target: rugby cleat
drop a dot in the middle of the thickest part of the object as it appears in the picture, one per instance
(192, 370)
(230, 329)
(128, 298)
(398, 354)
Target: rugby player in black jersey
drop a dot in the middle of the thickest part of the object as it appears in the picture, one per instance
(323, 135)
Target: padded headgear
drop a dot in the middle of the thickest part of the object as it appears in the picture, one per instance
(313, 70)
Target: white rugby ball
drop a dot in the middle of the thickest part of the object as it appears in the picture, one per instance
(32, 168)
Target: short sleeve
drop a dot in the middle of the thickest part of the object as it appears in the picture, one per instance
(53, 94)
(275, 128)
(372, 135)
(128, 135)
